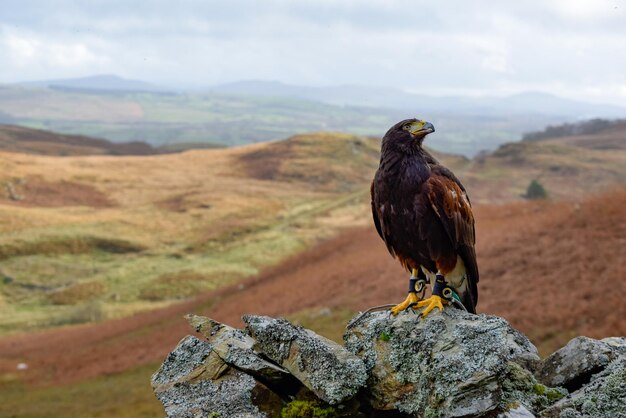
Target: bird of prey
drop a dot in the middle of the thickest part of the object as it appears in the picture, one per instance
(422, 213)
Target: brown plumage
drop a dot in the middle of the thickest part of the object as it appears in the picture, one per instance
(422, 212)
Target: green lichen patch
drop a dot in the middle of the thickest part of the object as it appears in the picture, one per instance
(521, 386)
(604, 396)
(307, 409)
(384, 336)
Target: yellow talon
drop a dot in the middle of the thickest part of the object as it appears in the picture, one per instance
(409, 301)
(431, 303)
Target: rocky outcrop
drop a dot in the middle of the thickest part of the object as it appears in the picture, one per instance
(323, 366)
(450, 364)
(194, 382)
(453, 364)
(595, 373)
(574, 364)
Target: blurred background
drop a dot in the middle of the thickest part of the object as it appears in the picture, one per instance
(165, 157)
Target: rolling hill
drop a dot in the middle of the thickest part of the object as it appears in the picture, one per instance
(40, 142)
(175, 118)
(24, 140)
(94, 237)
(102, 255)
(595, 134)
(545, 267)
(569, 166)
(83, 238)
(122, 110)
(97, 83)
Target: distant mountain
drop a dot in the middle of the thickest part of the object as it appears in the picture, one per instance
(95, 83)
(336, 95)
(123, 110)
(529, 103)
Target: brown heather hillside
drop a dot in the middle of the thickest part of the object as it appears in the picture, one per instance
(568, 167)
(553, 269)
(612, 138)
(39, 142)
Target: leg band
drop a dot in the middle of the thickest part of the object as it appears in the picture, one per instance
(441, 288)
(412, 282)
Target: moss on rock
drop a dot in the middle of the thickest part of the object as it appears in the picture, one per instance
(307, 409)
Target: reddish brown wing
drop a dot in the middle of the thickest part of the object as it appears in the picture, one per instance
(452, 207)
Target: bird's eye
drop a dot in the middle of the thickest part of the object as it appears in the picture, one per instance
(406, 127)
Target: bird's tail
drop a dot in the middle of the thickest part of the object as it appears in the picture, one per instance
(469, 295)
(468, 300)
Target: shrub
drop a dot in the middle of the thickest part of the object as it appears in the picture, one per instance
(535, 191)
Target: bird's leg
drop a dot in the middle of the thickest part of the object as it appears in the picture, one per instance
(440, 297)
(412, 298)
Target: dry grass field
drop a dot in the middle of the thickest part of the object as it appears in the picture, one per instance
(101, 237)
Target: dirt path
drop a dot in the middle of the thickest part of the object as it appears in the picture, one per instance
(554, 270)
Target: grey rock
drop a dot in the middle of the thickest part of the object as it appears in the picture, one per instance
(603, 397)
(194, 382)
(323, 366)
(516, 411)
(450, 364)
(235, 348)
(617, 344)
(574, 364)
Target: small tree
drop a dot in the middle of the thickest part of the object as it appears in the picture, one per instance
(535, 191)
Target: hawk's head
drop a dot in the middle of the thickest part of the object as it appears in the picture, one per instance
(408, 133)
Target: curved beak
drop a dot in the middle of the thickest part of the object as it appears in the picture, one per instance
(421, 128)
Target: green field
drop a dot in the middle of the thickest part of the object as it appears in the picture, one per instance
(183, 118)
(226, 119)
(123, 395)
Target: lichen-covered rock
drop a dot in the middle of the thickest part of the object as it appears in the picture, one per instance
(323, 366)
(516, 411)
(603, 397)
(194, 382)
(235, 348)
(617, 344)
(573, 365)
(450, 364)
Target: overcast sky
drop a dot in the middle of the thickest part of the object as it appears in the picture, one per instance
(574, 48)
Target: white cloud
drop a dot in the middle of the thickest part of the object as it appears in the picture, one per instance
(587, 9)
(29, 52)
(574, 46)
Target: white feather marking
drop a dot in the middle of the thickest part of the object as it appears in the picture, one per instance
(455, 278)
